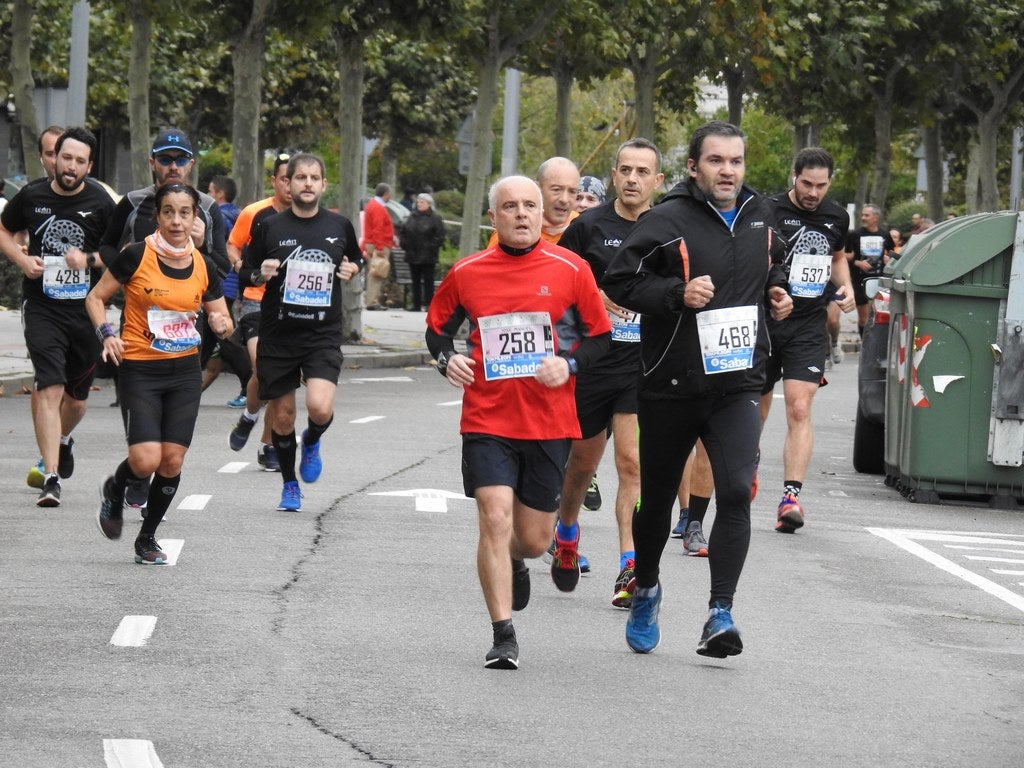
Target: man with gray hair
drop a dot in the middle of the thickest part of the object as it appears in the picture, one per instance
(536, 319)
(867, 250)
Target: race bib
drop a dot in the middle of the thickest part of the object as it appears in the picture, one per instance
(172, 331)
(727, 338)
(308, 283)
(808, 274)
(515, 344)
(61, 281)
(625, 329)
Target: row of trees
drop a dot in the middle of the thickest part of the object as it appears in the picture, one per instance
(408, 72)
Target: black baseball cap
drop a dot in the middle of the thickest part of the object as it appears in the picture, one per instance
(172, 138)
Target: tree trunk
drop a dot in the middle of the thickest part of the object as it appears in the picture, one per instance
(645, 76)
(138, 93)
(247, 63)
(806, 135)
(735, 85)
(860, 193)
(564, 79)
(931, 139)
(352, 69)
(883, 151)
(971, 189)
(389, 165)
(479, 153)
(988, 160)
(24, 85)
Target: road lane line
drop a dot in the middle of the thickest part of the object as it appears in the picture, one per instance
(133, 631)
(195, 502)
(381, 379)
(450, 403)
(994, 559)
(234, 467)
(902, 540)
(172, 548)
(983, 549)
(130, 753)
(366, 419)
(1006, 573)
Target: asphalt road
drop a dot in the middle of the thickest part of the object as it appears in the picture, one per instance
(353, 632)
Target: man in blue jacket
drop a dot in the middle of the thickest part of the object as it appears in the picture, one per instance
(702, 268)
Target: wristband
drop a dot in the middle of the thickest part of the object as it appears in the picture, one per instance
(573, 365)
(104, 331)
(442, 362)
(90, 260)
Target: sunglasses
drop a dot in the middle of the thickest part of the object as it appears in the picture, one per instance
(168, 160)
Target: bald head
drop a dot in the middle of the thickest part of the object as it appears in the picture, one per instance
(515, 211)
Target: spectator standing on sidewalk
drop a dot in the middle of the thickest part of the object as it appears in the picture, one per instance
(377, 241)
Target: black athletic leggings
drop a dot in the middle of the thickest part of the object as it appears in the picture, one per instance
(730, 427)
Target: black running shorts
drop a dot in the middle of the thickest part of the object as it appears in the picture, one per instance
(160, 399)
(799, 349)
(249, 320)
(62, 345)
(280, 368)
(533, 469)
(601, 396)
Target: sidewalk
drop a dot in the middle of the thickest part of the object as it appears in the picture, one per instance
(397, 338)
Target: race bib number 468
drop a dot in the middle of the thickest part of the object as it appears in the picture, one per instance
(727, 338)
(514, 344)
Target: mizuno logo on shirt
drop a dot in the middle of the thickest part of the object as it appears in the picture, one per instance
(84, 214)
(331, 240)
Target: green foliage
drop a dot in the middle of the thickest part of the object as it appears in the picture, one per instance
(898, 215)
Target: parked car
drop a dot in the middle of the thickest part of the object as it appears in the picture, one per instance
(869, 430)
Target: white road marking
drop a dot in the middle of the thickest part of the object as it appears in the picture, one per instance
(402, 379)
(427, 499)
(904, 539)
(450, 403)
(130, 753)
(1002, 572)
(133, 631)
(172, 548)
(994, 559)
(195, 502)
(366, 419)
(234, 467)
(837, 493)
(984, 549)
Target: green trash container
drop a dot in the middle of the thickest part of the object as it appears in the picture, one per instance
(955, 377)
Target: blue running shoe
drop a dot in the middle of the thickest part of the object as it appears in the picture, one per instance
(642, 633)
(310, 465)
(238, 402)
(584, 564)
(291, 497)
(721, 637)
(680, 530)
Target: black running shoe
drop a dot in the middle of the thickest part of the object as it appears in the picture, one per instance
(148, 552)
(505, 653)
(592, 499)
(520, 585)
(110, 518)
(49, 496)
(240, 434)
(136, 494)
(66, 459)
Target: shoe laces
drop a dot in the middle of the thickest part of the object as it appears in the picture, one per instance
(566, 555)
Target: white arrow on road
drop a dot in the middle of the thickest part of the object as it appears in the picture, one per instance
(427, 499)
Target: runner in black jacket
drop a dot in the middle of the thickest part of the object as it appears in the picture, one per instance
(702, 267)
